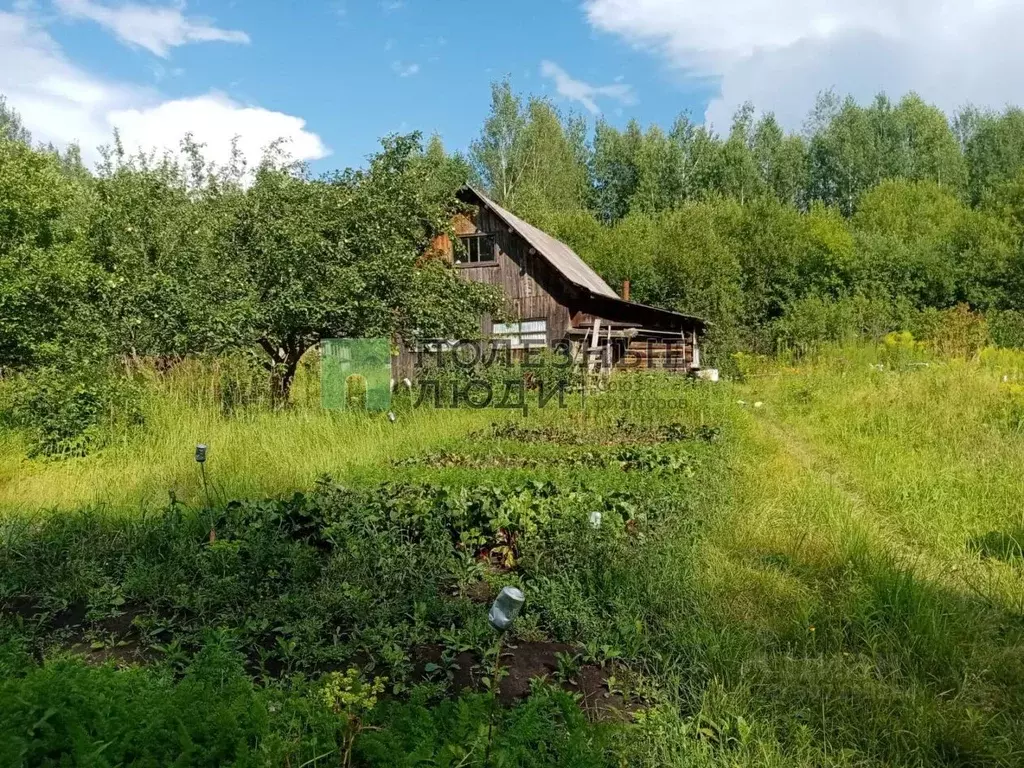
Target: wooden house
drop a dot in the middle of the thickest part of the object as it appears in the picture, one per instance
(556, 298)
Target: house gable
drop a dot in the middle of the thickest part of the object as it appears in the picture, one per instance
(551, 292)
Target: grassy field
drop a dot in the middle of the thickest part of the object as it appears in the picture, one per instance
(253, 453)
(870, 555)
(816, 564)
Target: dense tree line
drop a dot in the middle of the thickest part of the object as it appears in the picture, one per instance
(870, 219)
(162, 257)
(873, 218)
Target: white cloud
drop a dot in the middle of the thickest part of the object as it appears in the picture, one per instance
(781, 54)
(404, 70)
(215, 120)
(155, 28)
(62, 103)
(585, 93)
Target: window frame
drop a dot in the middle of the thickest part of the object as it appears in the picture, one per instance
(518, 336)
(476, 237)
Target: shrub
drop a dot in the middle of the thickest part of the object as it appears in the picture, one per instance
(68, 713)
(548, 730)
(954, 332)
(815, 320)
(242, 382)
(1006, 328)
(70, 411)
(901, 349)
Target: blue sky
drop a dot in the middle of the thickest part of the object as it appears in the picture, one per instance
(334, 76)
(359, 70)
(356, 70)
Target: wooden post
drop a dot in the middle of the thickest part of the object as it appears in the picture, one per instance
(606, 356)
(595, 342)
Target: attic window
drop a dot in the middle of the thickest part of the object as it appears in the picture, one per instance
(475, 249)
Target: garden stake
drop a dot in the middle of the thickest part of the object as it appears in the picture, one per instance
(201, 460)
(503, 612)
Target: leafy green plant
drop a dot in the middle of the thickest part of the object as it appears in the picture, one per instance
(569, 665)
(70, 411)
(351, 698)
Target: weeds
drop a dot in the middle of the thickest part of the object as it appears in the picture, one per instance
(829, 580)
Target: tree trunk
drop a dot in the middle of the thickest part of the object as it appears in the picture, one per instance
(281, 378)
(284, 361)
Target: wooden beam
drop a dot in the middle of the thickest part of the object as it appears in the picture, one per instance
(606, 354)
(595, 343)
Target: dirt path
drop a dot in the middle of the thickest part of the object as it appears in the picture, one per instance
(865, 514)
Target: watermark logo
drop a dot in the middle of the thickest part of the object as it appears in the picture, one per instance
(469, 373)
(355, 374)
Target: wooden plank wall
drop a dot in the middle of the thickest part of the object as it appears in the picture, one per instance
(535, 290)
(530, 284)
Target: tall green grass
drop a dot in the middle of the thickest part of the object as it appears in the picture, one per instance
(836, 581)
(254, 451)
(850, 563)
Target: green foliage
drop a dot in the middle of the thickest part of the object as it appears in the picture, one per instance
(47, 283)
(328, 580)
(1006, 328)
(440, 305)
(341, 574)
(811, 321)
(241, 382)
(994, 148)
(70, 410)
(853, 148)
(799, 588)
(767, 274)
(922, 243)
(351, 698)
(637, 171)
(213, 715)
(549, 730)
(954, 332)
(340, 257)
(530, 157)
(866, 207)
(11, 126)
(153, 236)
(166, 257)
(747, 592)
(104, 717)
